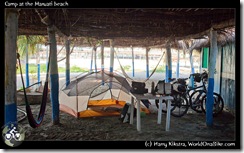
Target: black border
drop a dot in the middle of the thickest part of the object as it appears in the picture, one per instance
(135, 145)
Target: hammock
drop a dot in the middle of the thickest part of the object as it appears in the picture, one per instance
(125, 74)
(35, 123)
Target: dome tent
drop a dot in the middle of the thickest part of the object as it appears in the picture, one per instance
(96, 94)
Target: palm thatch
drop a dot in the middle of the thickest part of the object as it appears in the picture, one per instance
(139, 27)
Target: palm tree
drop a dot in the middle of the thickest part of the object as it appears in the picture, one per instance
(27, 45)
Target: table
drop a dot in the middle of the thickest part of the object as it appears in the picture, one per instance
(139, 97)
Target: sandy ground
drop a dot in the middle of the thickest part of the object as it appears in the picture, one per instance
(191, 127)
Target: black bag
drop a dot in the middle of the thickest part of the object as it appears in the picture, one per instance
(179, 87)
(138, 87)
(181, 81)
(197, 77)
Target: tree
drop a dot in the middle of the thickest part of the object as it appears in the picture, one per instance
(31, 41)
(27, 45)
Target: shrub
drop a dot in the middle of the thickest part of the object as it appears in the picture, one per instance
(160, 69)
(126, 67)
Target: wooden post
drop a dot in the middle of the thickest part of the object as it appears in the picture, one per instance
(200, 65)
(178, 65)
(91, 60)
(102, 61)
(166, 67)
(211, 68)
(67, 73)
(168, 63)
(133, 64)
(54, 78)
(147, 62)
(192, 68)
(38, 62)
(11, 32)
(111, 69)
(95, 57)
(27, 66)
(47, 48)
(217, 74)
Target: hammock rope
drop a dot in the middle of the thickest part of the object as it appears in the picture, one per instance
(32, 121)
(126, 75)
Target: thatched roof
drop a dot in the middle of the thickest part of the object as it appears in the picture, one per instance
(141, 27)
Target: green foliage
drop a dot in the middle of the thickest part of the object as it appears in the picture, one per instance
(61, 69)
(77, 69)
(160, 69)
(127, 67)
(43, 69)
(32, 41)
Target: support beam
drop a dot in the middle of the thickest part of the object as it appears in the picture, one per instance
(54, 78)
(38, 62)
(47, 48)
(178, 65)
(11, 32)
(168, 63)
(111, 68)
(200, 64)
(211, 68)
(102, 61)
(192, 67)
(91, 60)
(133, 64)
(67, 72)
(147, 62)
(95, 57)
(27, 66)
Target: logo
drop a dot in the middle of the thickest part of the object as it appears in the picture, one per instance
(13, 135)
